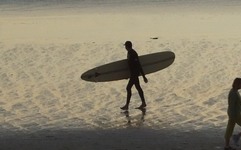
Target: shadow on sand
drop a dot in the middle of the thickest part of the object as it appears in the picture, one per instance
(114, 139)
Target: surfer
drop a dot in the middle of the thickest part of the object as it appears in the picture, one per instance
(234, 109)
(135, 70)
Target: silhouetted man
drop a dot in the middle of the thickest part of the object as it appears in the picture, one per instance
(135, 70)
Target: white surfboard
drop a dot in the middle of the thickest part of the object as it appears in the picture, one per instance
(119, 70)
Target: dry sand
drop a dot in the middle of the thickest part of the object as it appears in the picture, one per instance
(45, 105)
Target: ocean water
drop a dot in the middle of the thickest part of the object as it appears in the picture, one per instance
(119, 2)
(31, 6)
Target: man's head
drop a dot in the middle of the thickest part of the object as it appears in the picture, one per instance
(237, 83)
(128, 45)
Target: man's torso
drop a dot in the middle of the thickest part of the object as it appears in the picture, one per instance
(133, 63)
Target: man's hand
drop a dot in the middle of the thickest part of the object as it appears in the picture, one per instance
(145, 79)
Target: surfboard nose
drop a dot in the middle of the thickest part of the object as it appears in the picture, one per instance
(85, 76)
(82, 77)
(89, 76)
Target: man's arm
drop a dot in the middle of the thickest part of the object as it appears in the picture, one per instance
(232, 102)
(141, 70)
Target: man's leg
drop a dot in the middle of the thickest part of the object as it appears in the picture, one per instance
(129, 93)
(141, 93)
(229, 131)
(236, 137)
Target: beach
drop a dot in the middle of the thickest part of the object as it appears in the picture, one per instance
(45, 47)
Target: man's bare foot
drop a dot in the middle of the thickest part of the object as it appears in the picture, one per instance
(124, 107)
(141, 107)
